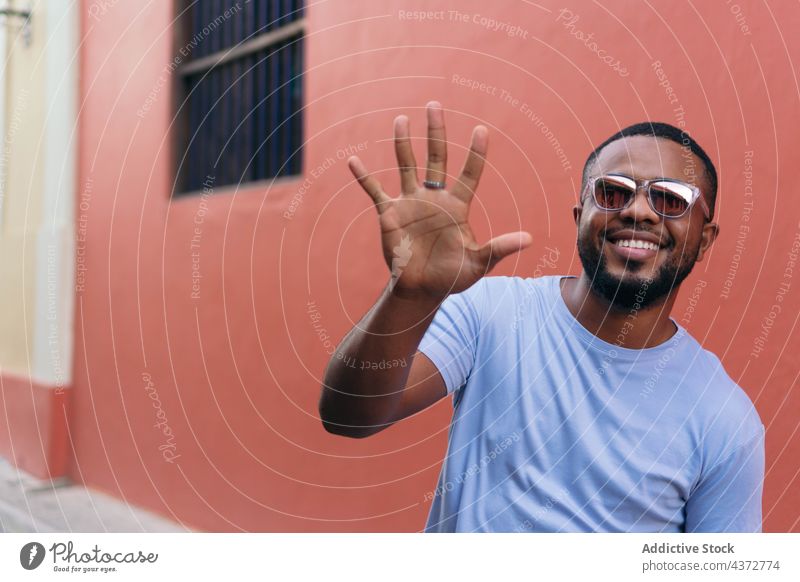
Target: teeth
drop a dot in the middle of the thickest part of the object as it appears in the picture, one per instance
(636, 244)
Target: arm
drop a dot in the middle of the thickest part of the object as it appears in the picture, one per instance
(359, 396)
(431, 253)
(728, 497)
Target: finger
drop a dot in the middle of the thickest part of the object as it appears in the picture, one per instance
(501, 246)
(405, 155)
(437, 144)
(370, 184)
(467, 182)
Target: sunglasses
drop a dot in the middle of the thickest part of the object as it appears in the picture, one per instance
(668, 198)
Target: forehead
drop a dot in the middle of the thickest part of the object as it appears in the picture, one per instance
(649, 157)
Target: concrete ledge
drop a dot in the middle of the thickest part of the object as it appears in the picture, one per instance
(28, 504)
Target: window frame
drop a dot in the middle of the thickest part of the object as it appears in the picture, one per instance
(181, 132)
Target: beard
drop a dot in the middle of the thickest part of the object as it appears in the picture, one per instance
(632, 291)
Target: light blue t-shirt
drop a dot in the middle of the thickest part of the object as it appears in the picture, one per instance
(556, 430)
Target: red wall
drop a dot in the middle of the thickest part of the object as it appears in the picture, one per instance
(34, 425)
(236, 372)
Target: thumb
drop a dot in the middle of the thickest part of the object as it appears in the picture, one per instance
(501, 246)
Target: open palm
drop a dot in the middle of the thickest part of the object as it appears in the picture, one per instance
(427, 242)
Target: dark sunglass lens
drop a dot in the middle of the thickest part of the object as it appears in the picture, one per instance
(668, 200)
(611, 194)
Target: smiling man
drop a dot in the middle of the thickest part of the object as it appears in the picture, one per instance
(580, 404)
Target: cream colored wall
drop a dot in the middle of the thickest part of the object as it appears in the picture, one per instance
(36, 230)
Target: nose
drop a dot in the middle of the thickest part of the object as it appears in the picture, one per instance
(639, 209)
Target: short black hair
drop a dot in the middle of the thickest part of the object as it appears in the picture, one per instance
(665, 131)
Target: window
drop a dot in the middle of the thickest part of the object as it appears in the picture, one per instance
(240, 91)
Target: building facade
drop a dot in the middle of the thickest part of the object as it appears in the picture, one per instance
(183, 244)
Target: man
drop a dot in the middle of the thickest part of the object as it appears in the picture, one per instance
(580, 404)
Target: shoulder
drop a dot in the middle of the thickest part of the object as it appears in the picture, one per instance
(506, 294)
(729, 416)
(515, 287)
(725, 390)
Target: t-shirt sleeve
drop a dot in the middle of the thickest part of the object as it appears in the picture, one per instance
(728, 497)
(451, 340)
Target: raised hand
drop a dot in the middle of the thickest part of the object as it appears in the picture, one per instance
(427, 242)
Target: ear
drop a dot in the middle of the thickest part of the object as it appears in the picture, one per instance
(577, 210)
(709, 235)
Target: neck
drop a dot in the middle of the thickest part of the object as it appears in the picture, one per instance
(629, 328)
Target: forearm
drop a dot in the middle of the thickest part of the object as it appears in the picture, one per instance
(366, 375)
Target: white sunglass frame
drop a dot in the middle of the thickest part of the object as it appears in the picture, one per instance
(645, 185)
